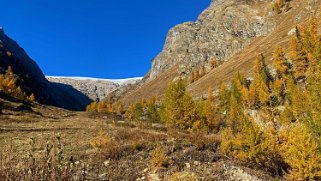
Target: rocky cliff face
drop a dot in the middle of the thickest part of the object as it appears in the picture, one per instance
(34, 81)
(229, 32)
(95, 89)
(223, 29)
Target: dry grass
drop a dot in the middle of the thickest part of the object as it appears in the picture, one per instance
(58, 145)
(153, 88)
(243, 61)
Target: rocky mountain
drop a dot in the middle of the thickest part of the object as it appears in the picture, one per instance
(223, 29)
(95, 89)
(32, 79)
(228, 34)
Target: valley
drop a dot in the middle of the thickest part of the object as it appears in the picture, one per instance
(233, 95)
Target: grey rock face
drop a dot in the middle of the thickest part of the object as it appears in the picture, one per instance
(95, 89)
(221, 30)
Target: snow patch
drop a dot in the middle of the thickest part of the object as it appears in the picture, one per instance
(116, 81)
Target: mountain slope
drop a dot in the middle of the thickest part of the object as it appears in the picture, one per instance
(34, 81)
(238, 30)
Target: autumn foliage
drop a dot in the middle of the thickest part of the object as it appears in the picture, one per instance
(9, 85)
(272, 120)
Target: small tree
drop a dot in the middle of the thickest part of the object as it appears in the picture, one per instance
(213, 63)
(299, 57)
(32, 98)
(92, 107)
(101, 107)
(192, 77)
(178, 106)
(151, 110)
(202, 71)
(224, 97)
(120, 108)
(259, 89)
(280, 63)
(130, 115)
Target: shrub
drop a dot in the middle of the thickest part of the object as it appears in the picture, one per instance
(158, 158)
(32, 98)
(254, 146)
(276, 8)
(184, 176)
(300, 151)
(8, 84)
(105, 145)
(92, 107)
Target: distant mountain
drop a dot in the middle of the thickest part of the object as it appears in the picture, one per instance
(96, 89)
(32, 79)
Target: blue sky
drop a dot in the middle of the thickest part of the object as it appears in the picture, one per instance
(95, 38)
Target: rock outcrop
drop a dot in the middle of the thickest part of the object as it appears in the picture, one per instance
(33, 79)
(223, 29)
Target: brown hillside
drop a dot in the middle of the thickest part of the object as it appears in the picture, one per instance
(153, 88)
(242, 61)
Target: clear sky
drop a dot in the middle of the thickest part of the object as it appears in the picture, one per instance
(95, 38)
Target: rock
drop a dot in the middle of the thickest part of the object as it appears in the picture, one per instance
(292, 32)
(197, 163)
(238, 174)
(188, 166)
(101, 176)
(220, 31)
(106, 163)
(157, 125)
(154, 177)
(145, 170)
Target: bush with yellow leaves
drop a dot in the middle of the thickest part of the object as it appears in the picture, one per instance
(8, 84)
(158, 158)
(300, 151)
(184, 176)
(105, 145)
(253, 145)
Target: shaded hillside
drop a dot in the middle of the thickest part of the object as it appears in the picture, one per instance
(243, 57)
(32, 80)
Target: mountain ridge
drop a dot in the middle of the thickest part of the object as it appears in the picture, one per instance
(117, 81)
(96, 89)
